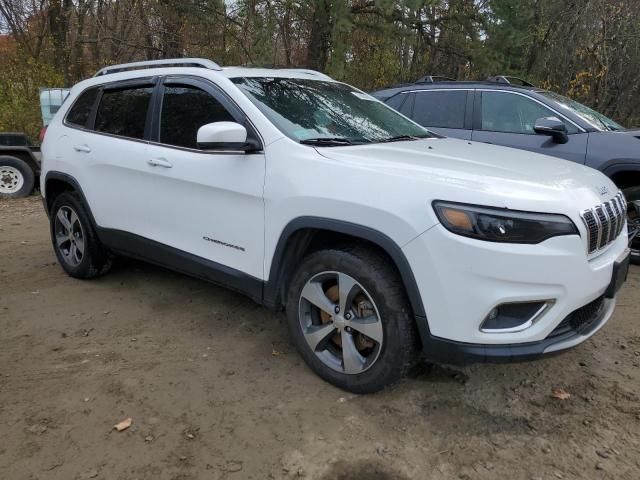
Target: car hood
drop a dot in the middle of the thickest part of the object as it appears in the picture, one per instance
(478, 172)
(634, 132)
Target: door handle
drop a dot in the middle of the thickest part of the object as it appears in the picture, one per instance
(159, 162)
(82, 148)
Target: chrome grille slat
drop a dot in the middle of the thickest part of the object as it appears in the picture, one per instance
(604, 222)
(615, 220)
(602, 232)
(616, 211)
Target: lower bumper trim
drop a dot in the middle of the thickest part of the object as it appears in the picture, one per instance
(442, 350)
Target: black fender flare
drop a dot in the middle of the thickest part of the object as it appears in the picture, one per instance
(622, 165)
(383, 241)
(71, 181)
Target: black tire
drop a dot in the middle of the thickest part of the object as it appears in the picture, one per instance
(381, 281)
(96, 259)
(14, 171)
(633, 222)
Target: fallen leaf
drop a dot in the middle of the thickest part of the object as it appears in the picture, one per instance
(124, 424)
(560, 393)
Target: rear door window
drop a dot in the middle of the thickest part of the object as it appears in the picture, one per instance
(442, 109)
(123, 111)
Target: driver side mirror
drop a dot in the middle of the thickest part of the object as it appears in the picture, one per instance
(553, 127)
(225, 136)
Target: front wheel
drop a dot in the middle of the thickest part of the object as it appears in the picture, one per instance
(633, 222)
(349, 318)
(16, 178)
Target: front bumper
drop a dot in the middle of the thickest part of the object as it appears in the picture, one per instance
(461, 280)
(573, 330)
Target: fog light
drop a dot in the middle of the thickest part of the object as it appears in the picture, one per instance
(514, 317)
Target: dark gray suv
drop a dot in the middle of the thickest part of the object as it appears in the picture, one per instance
(510, 112)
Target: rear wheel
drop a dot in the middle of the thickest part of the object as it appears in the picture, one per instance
(16, 178)
(75, 242)
(633, 222)
(350, 320)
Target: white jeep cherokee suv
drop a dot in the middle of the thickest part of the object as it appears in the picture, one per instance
(378, 237)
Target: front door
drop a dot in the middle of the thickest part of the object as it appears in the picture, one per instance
(208, 204)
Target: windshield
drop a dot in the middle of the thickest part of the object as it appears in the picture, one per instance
(327, 113)
(589, 115)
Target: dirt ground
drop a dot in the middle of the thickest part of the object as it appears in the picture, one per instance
(216, 391)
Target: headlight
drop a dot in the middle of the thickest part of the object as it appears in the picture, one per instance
(501, 224)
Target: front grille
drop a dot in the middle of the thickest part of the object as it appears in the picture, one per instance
(581, 319)
(604, 222)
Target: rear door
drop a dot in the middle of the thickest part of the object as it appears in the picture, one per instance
(447, 112)
(508, 118)
(114, 173)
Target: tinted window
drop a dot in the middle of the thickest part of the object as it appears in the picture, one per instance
(79, 113)
(396, 101)
(124, 112)
(512, 113)
(407, 107)
(184, 110)
(440, 109)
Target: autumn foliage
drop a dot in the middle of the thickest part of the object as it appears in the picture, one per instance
(588, 49)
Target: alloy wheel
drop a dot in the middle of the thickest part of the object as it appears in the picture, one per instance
(69, 236)
(11, 179)
(340, 322)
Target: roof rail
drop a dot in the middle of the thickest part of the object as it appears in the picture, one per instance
(168, 62)
(509, 80)
(311, 72)
(434, 79)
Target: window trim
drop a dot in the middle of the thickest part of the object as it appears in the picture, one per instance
(469, 105)
(478, 117)
(216, 92)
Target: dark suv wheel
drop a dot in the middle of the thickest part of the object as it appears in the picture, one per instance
(75, 242)
(349, 318)
(633, 222)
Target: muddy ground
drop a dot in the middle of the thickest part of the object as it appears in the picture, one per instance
(216, 391)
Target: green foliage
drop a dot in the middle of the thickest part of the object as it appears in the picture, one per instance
(20, 80)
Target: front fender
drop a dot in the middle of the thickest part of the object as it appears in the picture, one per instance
(383, 241)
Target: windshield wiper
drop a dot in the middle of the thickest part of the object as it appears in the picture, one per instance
(400, 138)
(327, 141)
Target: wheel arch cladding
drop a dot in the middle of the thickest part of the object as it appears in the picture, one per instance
(57, 183)
(305, 234)
(624, 176)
